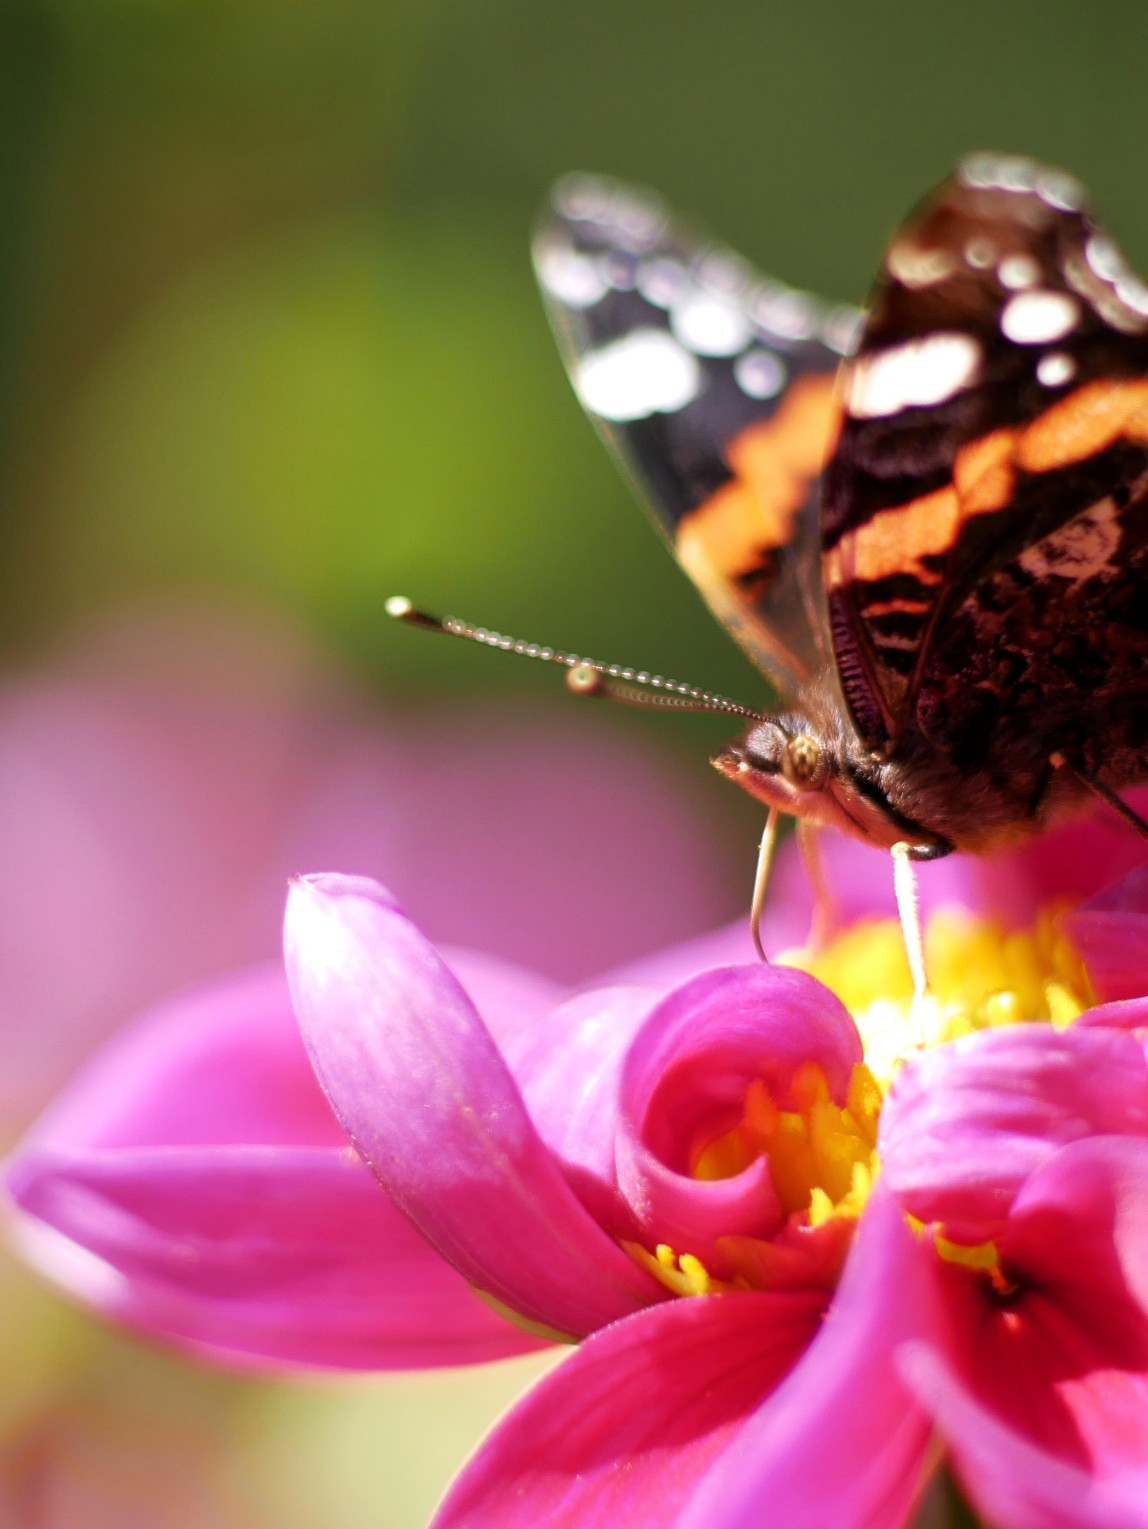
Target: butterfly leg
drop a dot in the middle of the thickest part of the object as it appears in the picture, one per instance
(826, 916)
(761, 879)
(1098, 788)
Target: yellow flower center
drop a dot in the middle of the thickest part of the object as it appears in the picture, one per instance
(980, 976)
(822, 1156)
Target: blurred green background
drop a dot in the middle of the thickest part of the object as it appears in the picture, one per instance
(267, 324)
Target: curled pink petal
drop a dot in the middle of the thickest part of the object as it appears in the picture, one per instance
(194, 1183)
(841, 1440)
(685, 1083)
(623, 1429)
(1041, 1390)
(965, 1125)
(425, 1096)
(587, 1039)
(1060, 1354)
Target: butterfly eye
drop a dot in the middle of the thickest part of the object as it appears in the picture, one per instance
(803, 763)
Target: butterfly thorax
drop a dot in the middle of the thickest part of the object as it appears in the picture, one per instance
(811, 762)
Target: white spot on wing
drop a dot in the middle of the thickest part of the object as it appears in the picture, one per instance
(723, 272)
(572, 278)
(1055, 369)
(646, 372)
(1060, 190)
(620, 269)
(1105, 257)
(710, 325)
(1033, 318)
(1132, 291)
(783, 311)
(1018, 272)
(841, 329)
(760, 374)
(637, 220)
(914, 267)
(980, 253)
(914, 375)
(661, 281)
(998, 172)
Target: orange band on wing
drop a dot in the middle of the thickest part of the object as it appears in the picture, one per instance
(983, 473)
(1087, 421)
(775, 464)
(897, 539)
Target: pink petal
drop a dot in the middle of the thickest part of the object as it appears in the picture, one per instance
(622, 1430)
(965, 1125)
(1113, 947)
(1128, 894)
(273, 1257)
(221, 1064)
(841, 1441)
(1111, 933)
(511, 1000)
(1061, 1364)
(1012, 1482)
(586, 1038)
(1070, 864)
(194, 1183)
(1122, 1014)
(685, 1083)
(426, 1098)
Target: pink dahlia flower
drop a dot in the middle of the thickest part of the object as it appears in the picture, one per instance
(683, 1172)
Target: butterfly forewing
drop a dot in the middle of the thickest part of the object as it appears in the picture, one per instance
(986, 511)
(715, 389)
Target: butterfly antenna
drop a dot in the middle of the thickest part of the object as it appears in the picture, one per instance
(584, 676)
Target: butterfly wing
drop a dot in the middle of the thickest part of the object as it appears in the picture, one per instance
(715, 390)
(985, 526)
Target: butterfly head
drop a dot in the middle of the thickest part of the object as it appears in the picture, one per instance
(822, 773)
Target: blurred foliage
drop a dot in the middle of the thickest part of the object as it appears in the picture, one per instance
(266, 321)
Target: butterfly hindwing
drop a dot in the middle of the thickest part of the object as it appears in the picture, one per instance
(715, 389)
(985, 526)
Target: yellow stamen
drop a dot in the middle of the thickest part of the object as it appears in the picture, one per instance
(980, 976)
(812, 1150)
(983, 1256)
(681, 1274)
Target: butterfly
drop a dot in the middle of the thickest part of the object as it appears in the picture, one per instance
(927, 525)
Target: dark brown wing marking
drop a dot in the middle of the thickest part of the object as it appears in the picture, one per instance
(713, 388)
(1000, 390)
(1048, 651)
